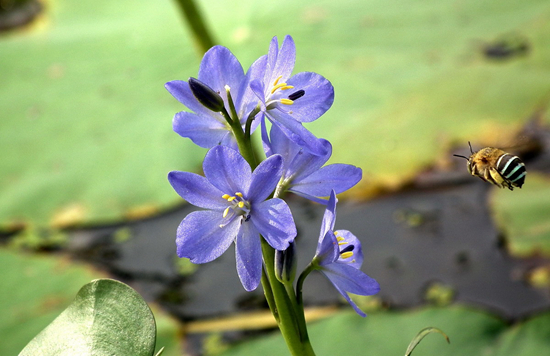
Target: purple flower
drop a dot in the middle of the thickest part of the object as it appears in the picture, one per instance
(303, 172)
(234, 197)
(219, 69)
(339, 258)
(290, 101)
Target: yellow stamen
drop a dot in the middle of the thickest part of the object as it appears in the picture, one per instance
(277, 80)
(277, 87)
(286, 87)
(338, 238)
(239, 194)
(347, 254)
(226, 211)
(241, 204)
(287, 101)
(230, 199)
(342, 243)
(225, 196)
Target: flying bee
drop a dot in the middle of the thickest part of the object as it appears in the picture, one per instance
(495, 166)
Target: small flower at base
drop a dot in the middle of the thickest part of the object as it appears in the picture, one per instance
(339, 258)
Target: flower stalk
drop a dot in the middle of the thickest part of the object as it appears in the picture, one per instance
(193, 17)
(288, 318)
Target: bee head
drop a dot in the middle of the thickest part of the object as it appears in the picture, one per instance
(471, 150)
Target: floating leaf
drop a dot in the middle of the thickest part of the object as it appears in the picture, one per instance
(86, 130)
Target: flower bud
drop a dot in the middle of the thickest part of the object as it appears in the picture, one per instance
(206, 95)
(285, 264)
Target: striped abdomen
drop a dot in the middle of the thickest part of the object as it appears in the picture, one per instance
(512, 169)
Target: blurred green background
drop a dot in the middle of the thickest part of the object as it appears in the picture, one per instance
(86, 136)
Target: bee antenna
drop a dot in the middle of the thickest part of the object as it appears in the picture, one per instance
(469, 144)
(461, 156)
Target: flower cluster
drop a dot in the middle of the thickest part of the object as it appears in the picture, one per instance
(241, 195)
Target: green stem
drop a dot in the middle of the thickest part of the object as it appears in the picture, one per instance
(288, 319)
(245, 145)
(300, 283)
(269, 295)
(192, 16)
(249, 120)
(299, 310)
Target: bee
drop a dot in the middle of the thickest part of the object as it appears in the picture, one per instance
(495, 166)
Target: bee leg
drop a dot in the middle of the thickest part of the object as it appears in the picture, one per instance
(488, 175)
(476, 173)
(498, 179)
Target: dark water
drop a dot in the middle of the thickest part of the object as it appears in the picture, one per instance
(410, 240)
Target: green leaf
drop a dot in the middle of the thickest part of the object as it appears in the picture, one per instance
(421, 335)
(107, 317)
(86, 129)
(87, 126)
(523, 214)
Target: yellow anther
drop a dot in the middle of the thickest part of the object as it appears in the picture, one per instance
(241, 204)
(239, 194)
(225, 196)
(226, 211)
(277, 80)
(281, 85)
(287, 101)
(347, 254)
(342, 243)
(339, 238)
(286, 87)
(230, 199)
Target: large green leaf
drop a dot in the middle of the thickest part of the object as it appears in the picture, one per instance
(86, 124)
(523, 215)
(410, 77)
(107, 317)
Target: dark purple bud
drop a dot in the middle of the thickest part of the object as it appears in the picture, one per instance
(206, 95)
(285, 264)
